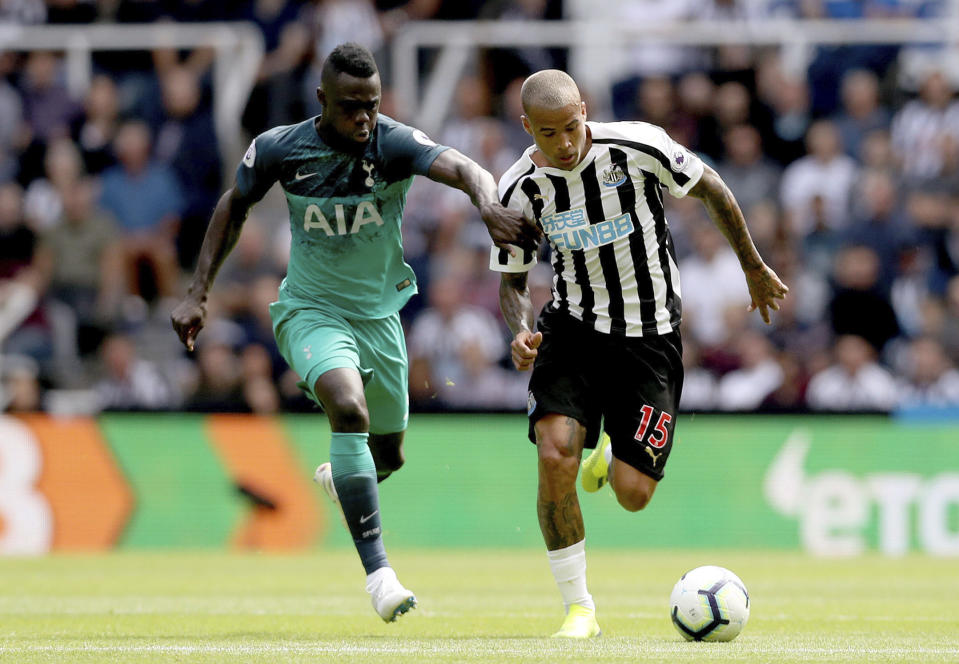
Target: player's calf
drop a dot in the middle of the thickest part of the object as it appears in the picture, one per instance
(633, 488)
(387, 451)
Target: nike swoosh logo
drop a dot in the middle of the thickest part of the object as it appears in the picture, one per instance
(364, 519)
(298, 176)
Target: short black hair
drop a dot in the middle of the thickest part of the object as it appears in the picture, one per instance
(350, 58)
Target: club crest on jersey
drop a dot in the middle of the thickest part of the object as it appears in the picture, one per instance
(368, 167)
(613, 176)
(530, 403)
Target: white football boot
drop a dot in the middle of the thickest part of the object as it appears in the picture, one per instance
(390, 598)
(324, 477)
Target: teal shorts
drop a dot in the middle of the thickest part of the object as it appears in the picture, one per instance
(314, 340)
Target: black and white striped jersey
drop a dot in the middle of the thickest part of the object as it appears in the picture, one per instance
(614, 265)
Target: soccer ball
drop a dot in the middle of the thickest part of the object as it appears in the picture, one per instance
(709, 603)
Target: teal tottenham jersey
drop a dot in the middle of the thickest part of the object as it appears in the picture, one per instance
(346, 210)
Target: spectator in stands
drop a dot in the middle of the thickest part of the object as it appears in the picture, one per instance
(23, 327)
(656, 103)
(219, 385)
(731, 108)
(43, 202)
(85, 259)
(949, 326)
(451, 343)
(861, 111)
(253, 314)
(878, 223)
(858, 307)
(831, 62)
(758, 375)
(696, 91)
(23, 12)
(753, 177)
(504, 64)
(471, 102)
(254, 257)
(854, 382)
(826, 172)
(790, 396)
(130, 382)
(799, 326)
(644, 59)
(333, 22)
(97, 128)
(511, 107)
(787, 98)
(48, 106)
(660, 58)
(186, 143)
(712, 283)
(910, 294)
(11, 121)
(765, 224)
(256, 369)
(876, 152)
(20, 390)
(925, 129)
(931, 378)
(699, 384)
(146, 200)
(731, 115)
(928, 211)
(276, 100)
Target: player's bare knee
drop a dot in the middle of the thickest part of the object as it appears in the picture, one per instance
(634, 499)
(349, 413)
(556, 458)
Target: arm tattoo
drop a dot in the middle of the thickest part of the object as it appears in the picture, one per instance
(725, 213)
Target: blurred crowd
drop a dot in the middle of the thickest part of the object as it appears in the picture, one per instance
(847, 169)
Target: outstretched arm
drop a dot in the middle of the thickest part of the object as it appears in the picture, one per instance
(221, 236)
(517, 309)
(505, 226)
(764, 284)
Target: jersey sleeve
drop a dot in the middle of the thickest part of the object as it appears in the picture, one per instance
(512, 196)
(256, 172)
(407, 147)
(677, 167)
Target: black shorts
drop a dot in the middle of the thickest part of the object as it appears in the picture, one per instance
(629, 386)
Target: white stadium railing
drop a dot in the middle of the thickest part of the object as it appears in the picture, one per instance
(238, 51)
(597, 51)
(596, 46)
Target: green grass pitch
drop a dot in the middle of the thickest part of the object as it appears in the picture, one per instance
(475, 606)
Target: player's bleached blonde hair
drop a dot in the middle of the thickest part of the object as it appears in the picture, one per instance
(549, 89)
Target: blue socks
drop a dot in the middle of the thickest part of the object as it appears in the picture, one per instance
(354, 476)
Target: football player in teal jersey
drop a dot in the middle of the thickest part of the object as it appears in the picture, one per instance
(345, 174)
